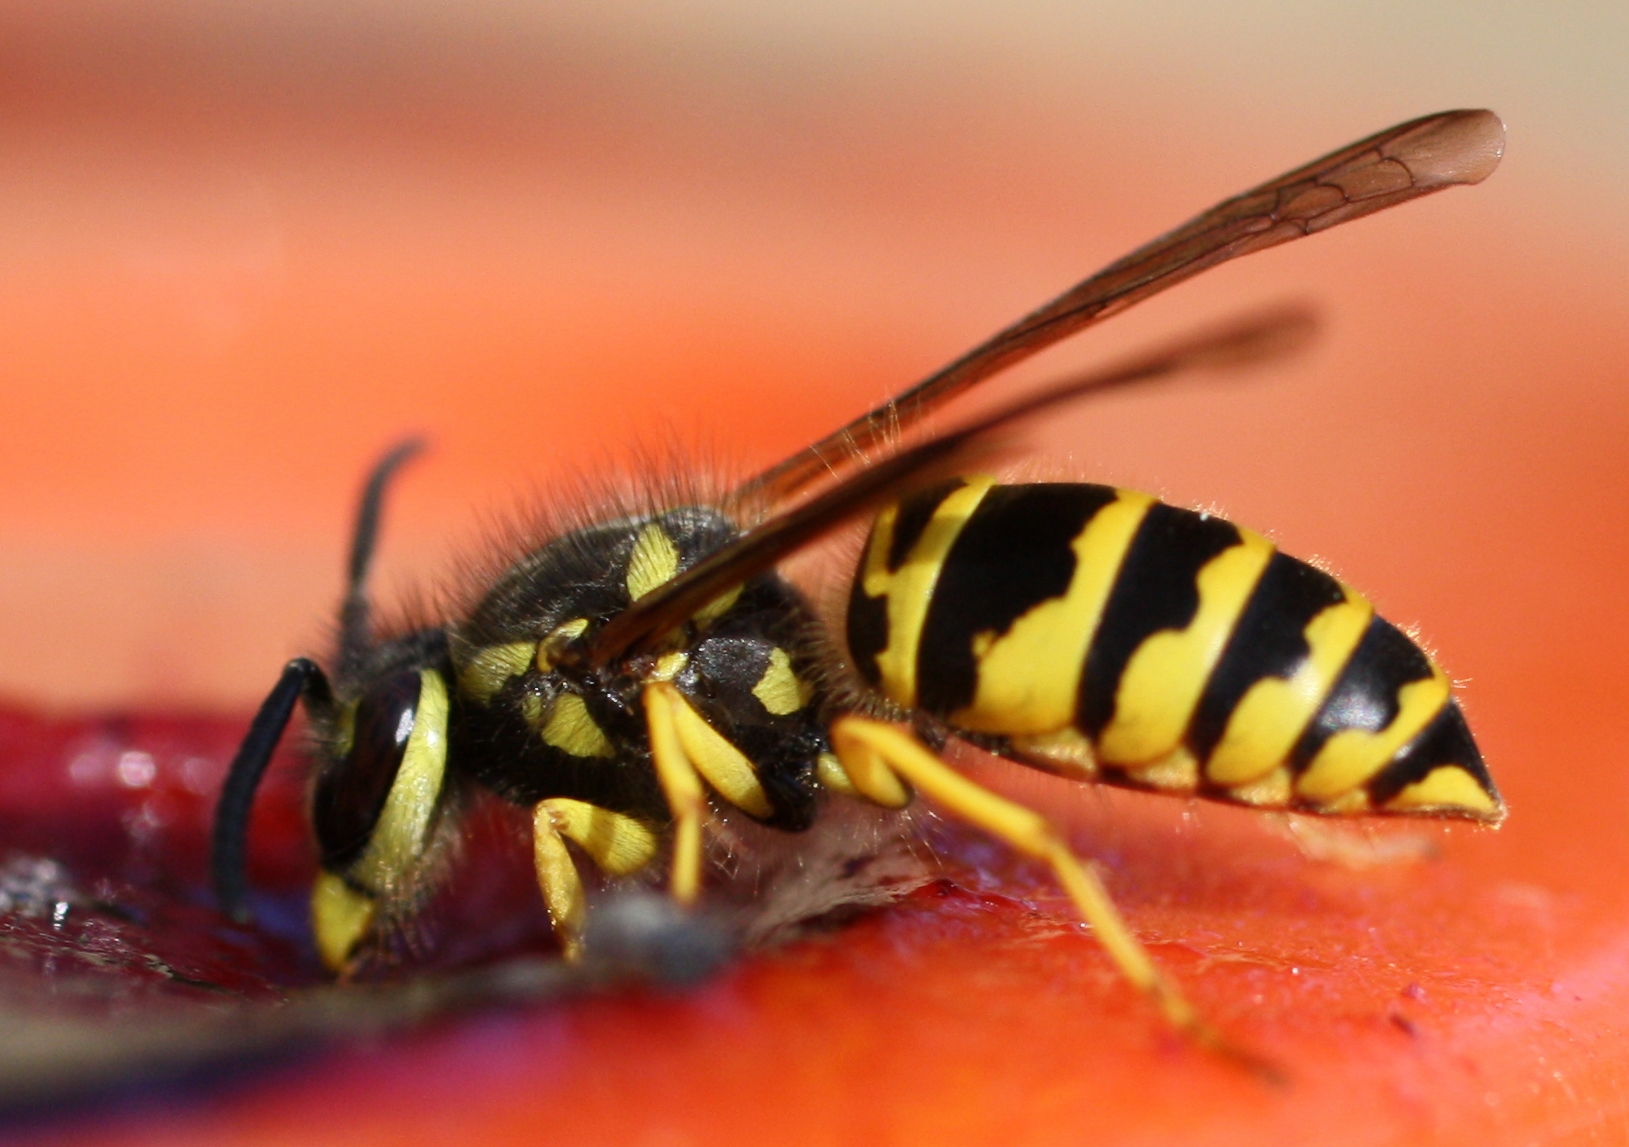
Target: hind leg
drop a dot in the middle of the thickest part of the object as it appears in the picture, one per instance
(877, 757)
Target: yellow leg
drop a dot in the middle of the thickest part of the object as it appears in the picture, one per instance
(865, 746)
(562, 887)
(681, 785)
(618, 845)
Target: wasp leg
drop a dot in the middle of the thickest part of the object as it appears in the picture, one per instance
(688, 750)
(681, 785)
(618, 845)
(871, 750)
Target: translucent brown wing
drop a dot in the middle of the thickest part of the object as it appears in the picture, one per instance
(1392, 167)
(645, 622)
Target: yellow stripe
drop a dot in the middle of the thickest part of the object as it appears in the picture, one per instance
(780, 691)
(1352, 756)
(1273, 713)
(1446, 787)
(1165, 676)
(909, 589)
(655, 560)
(571, 729)
(1029, 678)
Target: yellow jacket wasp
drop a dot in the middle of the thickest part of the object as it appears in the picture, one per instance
(624, 678)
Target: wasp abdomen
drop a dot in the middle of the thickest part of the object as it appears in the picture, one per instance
(1102, 633)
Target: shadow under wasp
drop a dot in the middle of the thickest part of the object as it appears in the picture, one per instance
(624, 679)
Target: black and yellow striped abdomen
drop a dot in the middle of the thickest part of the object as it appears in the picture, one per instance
(1102, 633)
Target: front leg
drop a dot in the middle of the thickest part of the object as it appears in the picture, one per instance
(618, 845)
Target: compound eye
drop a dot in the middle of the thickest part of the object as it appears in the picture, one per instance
(351, 792)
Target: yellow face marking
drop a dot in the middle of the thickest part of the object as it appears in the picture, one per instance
(1274, 711)
(780, 690)
(559, 882)
(1446, 787)
(654, 561)
(1177, 773)
(829, 772)
(560, 635)
(399, 837)
(619, 845)
(719, 762)
(1067, 752)
(572, 730)
(340, 917)
(1029, 677)
(1165, 676)
(909, 589)
(1353, 756)
(1270, 791)
(487, 671)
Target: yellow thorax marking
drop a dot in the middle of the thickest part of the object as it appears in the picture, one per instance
(399, 836)
(558, 636)
(487, 671)
(780, 690)
(655, 560)
(1351, 757)
(1163, 680)
(571, 729)
(909, 589)
(717, 608)
(1029, 677)
(1274, 712)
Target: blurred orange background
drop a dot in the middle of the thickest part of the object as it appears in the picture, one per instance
(244, 246)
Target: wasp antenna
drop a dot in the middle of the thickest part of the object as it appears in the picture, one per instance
(301, 677)
(355, 633)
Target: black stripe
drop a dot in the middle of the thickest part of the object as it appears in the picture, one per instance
(1445, 741)
(1365, 694)
(867, 628)
(1156, 589)
(1268, 641)
(1013, 554)
(912, 518)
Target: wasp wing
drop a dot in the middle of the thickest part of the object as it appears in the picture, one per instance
(762, 546)
(1402, 163)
